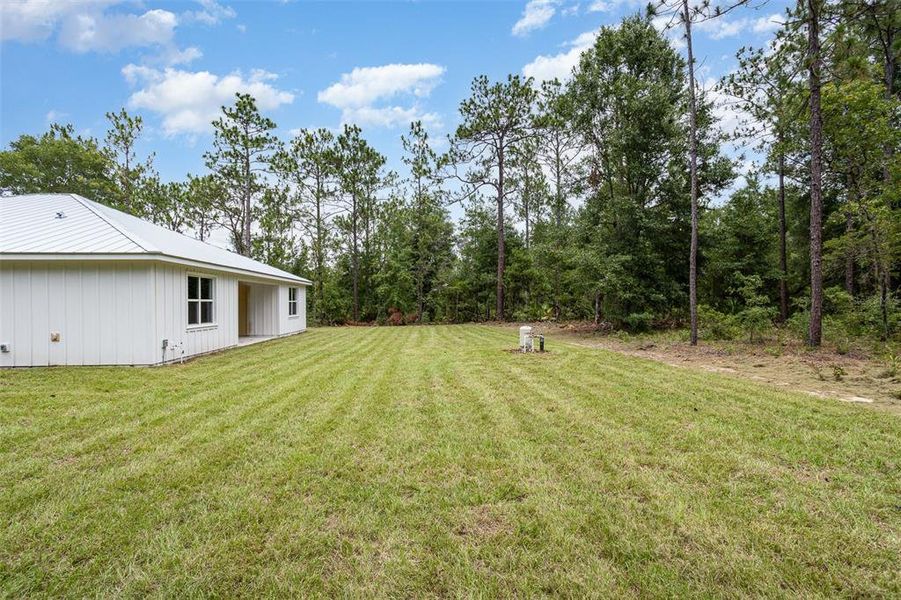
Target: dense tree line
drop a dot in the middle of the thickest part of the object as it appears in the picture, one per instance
(607, 197)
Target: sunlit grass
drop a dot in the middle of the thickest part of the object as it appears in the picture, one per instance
(431, 461)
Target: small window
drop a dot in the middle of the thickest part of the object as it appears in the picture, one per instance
(200, 300)
(292, 301)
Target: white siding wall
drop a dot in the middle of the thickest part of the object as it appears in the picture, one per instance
(99, 310)
(119, 313)
(292, 323)
(171, 318)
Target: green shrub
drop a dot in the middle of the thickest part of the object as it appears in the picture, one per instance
(838, 372)
(868, 316)
(892, 365)
(757, 315)
(836, 301)
(714, 325)
(639, 322)
(799, 323)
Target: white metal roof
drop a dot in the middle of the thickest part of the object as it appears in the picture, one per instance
(67, 224)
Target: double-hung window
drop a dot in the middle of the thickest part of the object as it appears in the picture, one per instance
(200, 300)
(292, 301)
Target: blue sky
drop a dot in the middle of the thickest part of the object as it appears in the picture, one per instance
(310, 64)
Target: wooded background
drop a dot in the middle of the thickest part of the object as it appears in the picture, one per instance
(605, 197)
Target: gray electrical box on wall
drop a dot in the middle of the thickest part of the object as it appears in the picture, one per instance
(4, 347)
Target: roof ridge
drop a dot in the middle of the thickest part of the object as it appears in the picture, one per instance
(140, 243)
(171, 231)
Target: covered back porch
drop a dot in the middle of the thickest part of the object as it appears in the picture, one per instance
(257, 312)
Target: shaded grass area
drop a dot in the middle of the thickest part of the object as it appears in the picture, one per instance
(430, 461)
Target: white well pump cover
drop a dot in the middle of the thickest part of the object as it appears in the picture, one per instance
(524, 333)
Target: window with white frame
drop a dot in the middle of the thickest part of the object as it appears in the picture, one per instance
(292, 301)
(200, 300)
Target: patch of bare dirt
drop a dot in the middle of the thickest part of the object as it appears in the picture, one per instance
(852, 378)
(482, 522)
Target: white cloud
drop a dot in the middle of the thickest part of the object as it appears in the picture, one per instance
(669, 26)
(188, 101)
(210, 13)
(725, 108)
(365, 85)
(609, 5)
(390, 116)
(560, 66)
(110, 33)
(96, 26)
(174, 56)
(769, 24)
(359, 92)
(535, 15)
(723, 27)
(55, 116)
(34, 20)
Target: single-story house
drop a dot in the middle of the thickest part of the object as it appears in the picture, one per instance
(84, 284)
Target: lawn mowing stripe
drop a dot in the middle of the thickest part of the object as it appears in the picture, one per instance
(188, 399)
(161, 466)
(544, 434)
(739, 389)
(677, 470)
(499, 379)
(257, 472)
(365, 482)
(375, 483)
(582, 463)
(447, 488)
(374, 356)
(104, 438)
(650, 416)
(158, 410)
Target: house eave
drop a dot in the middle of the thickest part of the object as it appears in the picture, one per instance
(149, 257)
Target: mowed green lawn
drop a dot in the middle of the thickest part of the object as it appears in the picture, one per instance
(430, 461)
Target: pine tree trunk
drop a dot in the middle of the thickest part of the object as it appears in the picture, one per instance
(526, 212)
(501, 258)
(128, 187)
(420, 254)
(355, 260)
(849, 257)
(558, 219)
(783, 255)
(889, 69)
(883, 302)
(693, 157)
(367, 255)
(245, 236)
(320, 259)
(815, 332)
